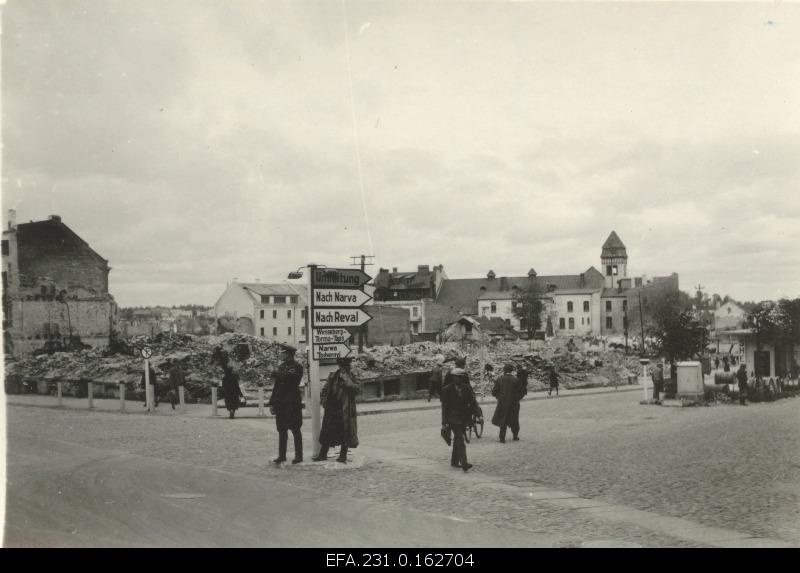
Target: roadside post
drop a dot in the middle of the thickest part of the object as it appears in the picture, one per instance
(214, 400)
(60, 391)
(261, 401)
(147, 352)
(644, 380)
(89, 393)
(122, 396)
(182, 398)
(335, 301)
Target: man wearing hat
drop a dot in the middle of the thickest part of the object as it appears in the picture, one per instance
(338, 397)
(287, 405)
(508, 392)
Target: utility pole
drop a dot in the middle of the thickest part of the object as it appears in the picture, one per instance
(700, 288)
(641, 322)
(361, 260)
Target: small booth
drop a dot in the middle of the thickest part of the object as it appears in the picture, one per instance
(690, 380)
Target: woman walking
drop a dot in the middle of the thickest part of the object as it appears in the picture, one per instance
(339, 427)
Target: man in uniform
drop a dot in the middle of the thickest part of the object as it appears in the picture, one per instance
(286, 404)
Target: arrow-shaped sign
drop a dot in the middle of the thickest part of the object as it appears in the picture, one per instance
(339, 317)
(329, 335)
(340, 278)
(330, 351)
(352, 298)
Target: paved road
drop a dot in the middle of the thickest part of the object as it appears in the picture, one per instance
(590, 470)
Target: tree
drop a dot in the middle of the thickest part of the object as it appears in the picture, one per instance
(527, 307)
(677, 333)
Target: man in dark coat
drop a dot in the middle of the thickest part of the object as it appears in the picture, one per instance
(286, 404)
(508, 393)
(658, 381)
(231, 390)
(176, 380)
(741, 377)
(153, 383)
(339, 425)
(458, 407)
(553, 376)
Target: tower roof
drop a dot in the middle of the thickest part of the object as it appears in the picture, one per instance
(614, 247)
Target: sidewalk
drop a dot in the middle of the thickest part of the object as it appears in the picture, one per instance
(204, 410)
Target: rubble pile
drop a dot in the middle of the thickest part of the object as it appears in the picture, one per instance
(580, 363)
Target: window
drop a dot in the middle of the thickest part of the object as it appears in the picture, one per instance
(274, 314)
(614, 269)
(274, 331)
(262, 316)
(264, 299)
(625, 304)
(302, 313)
(494, 308)
(415, 311)
(588, 320)
(572, 323)
(262, 331)
(415, 327)
(586, 306)
(569, 306)
(608, 270)
(278, 300)
(562, 324)
(582, 323)
(303, 330)
(609, 322)
(293, 299)
(608, 306)
(289, 313)
(290, 331)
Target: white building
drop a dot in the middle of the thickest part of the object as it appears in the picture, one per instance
(729, 316)
(273, 311)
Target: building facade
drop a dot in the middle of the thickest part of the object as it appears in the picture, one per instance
(55, 289)
(277, 312)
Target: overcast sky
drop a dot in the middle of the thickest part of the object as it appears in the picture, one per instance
(193, 142)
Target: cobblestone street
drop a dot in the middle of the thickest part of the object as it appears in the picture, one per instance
(589, 470)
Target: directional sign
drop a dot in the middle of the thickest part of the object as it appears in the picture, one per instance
(330, 351)
(339, 317)
(340, 278)
(147, 352)
(329, 335)
(352, 298)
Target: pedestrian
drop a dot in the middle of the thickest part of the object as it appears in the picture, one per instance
(458, 407)
(658, 382)
(339, 426)
(153, 383)
(177, 379)
(286, 404)
(726, 367)
(553, 376)
(231, 390)
(716, 363)
(435, 380)
(522, 379)
(741, 376)
(508, 393)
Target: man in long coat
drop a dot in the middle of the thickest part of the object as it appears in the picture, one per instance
(658, 381)
(176, 380)
(231, 390)
(458, 407)
(286, 404)
(508, 392)
(339, 427)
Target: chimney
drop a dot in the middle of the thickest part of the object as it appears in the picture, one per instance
(56, 218)
(583, 280)
(394, 269)
(503, 283)
(423, 269)
(12, 218)
(490, 275)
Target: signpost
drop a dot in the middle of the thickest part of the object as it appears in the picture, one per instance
(335, 300)
(147, 352)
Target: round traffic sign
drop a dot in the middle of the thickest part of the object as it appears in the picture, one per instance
(147, 352)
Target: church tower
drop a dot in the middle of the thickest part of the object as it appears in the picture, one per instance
(613, 261)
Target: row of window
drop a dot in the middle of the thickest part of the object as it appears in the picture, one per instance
(289, 331)
(570, 306)
(278, 299)
(288, 313)
(562, 323)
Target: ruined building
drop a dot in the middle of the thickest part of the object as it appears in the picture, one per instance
(55, 289)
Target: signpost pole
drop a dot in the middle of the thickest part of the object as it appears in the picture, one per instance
(314, 382)
(122, 396)
(148, 392)
(182, 398)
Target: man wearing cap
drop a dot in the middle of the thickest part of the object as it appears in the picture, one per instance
(287, 405)
(338, 397)
(508, 393)
(458, 407)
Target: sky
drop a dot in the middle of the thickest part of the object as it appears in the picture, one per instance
(194, 142)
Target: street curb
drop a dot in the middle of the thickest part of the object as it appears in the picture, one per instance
(492, 401)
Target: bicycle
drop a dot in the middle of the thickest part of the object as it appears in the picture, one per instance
(475, 426)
